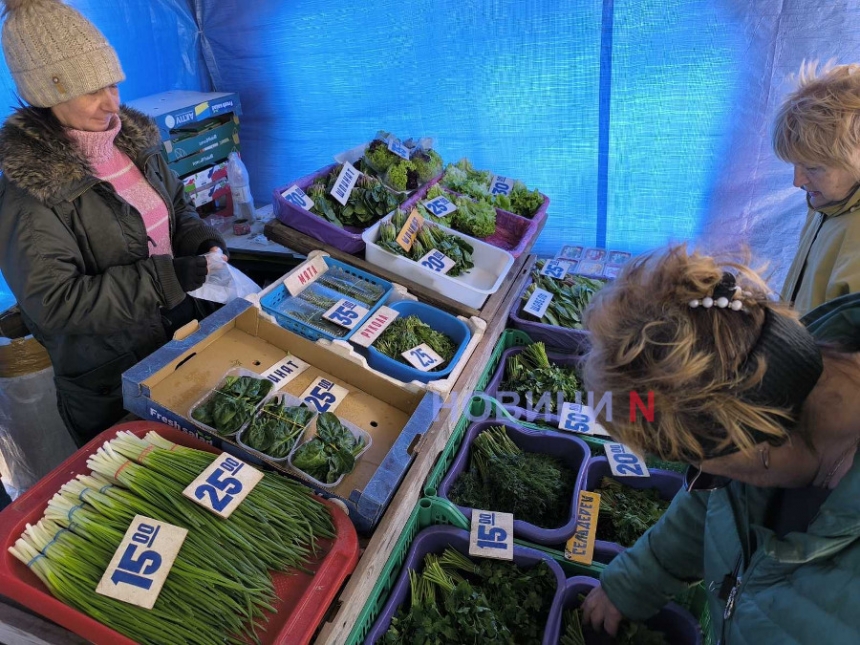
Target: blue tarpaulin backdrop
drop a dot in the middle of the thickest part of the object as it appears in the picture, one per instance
(645, 121)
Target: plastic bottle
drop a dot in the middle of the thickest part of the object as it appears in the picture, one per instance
(240, 187)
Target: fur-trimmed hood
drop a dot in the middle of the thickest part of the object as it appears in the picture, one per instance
(49, 168)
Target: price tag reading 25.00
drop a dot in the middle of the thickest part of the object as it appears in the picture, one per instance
(423, 357)
(440, 206)
(555, 269)
(140, 565)
(324, 396)
(492, 535)
(223, 485)
(624, 462)
(346, 313)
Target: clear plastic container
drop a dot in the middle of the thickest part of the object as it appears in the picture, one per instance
(217, 392)
(240, 188)
(309, 436)
(284, 400)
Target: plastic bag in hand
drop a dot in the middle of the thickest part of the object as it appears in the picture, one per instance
(223, 282)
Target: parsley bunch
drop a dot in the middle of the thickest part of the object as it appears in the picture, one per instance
(626, 513)
(629, 633)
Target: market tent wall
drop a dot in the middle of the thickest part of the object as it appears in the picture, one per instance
(646, 121)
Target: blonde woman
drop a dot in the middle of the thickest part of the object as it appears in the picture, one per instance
(817, 129)
(769, 422)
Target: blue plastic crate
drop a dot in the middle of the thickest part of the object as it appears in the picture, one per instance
(280, 304)
(443, 322)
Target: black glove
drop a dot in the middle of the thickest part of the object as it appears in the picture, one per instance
(190, 271)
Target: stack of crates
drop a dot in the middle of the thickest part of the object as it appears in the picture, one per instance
(198, 131)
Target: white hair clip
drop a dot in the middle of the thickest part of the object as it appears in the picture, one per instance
(726, 292)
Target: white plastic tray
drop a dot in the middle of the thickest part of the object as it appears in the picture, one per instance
(356, 432)
(472, 289)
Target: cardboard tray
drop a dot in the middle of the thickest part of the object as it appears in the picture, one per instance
(302, 598)
(163, 386)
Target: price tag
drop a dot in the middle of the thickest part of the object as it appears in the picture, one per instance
(538, 303)
(223, 485)
(397, 147)
(586, 267)
(575, 417)
(440, 206)
(624, 462)
(580, 546)
(423, 358)
(346, 313)
(555, 269)
(345, 183)
(571, 252)
(492, 535)
(501, 185)
(305, 274)
(142, 561)
(406, 236)
(373, 328)
(437, 261)
(285, 371)
(295, 195)
(324, 396)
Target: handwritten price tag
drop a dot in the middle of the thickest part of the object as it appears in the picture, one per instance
(624, 462)
(373, 328)
(223, 485)
(555, 269)
(346, 313)
(492, 535)
(501, 185)
(397, 147)
(437, 261)
(575, 417)
(538, 303)
(423, 358)
(580, 546)
(324, 396)
(345, 183)
(440, 206)
(295, 195)
(406, 236)
(305, 274)
(285, 371)
(140, 565)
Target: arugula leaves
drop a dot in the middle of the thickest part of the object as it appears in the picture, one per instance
(408, 332)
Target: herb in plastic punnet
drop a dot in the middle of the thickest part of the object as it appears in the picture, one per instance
(399, 173)
(408, 332)
(230, 407)
(531, 373)
(276, 428)
(331, 453)
(570, 297)
(536, 488)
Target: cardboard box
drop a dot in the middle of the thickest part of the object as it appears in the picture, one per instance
(213, 154)
(203, 178)
(178, 108)
(164, 386)
(179, 146)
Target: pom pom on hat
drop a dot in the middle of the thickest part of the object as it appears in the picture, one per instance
(54, 53)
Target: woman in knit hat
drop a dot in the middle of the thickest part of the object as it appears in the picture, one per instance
(97, 242)
(769, 421)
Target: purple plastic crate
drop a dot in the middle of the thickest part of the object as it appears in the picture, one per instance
(667, 482)
(518, 412)
(674, 621)
(513, 232)
(571, 451)
(347, 239)
(436, 539)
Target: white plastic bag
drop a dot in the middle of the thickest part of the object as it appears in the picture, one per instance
(223, 282)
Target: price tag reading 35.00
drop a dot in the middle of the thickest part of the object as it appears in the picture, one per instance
(346, 313)
(223, 485)
(142, 561)
(501, 185)
(555, 269)
(440, 206)
(324, 396)
(295, 195)
(624, 462)
(492, 535)
(423, 357)
(437, 261)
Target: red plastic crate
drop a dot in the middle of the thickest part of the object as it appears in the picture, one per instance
(303, 598)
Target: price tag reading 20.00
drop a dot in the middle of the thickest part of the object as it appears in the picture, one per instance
(624, 462)
(492, 535)
(140, 565)
(223, 485)
(346, 313)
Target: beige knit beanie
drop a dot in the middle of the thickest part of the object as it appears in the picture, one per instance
(54, 53)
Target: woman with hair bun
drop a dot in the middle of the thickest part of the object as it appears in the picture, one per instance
(768, 420)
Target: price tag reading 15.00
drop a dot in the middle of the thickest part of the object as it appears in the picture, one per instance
(492, 535)
(624, 462)
(140, 565)
(223, 485)
(346, 313)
